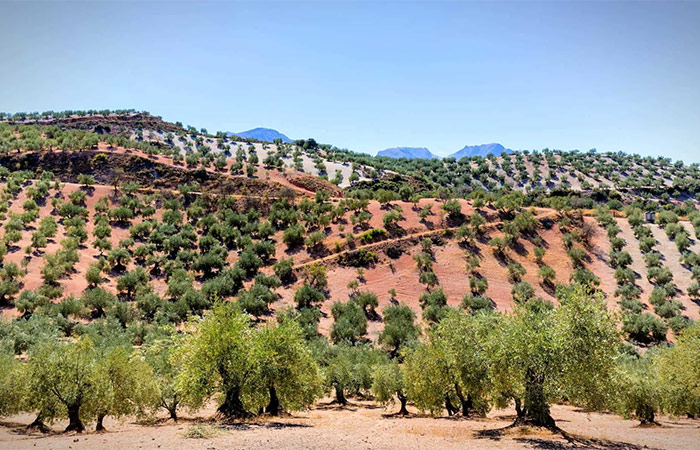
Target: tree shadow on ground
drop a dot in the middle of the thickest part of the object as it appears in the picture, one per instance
(241, 426)
(541, 438)
(22, 429)
(578, 442)
(519, 248)
(349, 406)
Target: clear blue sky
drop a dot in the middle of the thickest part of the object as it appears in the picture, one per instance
(366, 76)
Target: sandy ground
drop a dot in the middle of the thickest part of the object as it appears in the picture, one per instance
(363, 425)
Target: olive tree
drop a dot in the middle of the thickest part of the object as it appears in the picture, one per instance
(542, 353)
(679, 373)
(159, 355)
(125, 383)
(387, 385)
(288, 373)
(399, 329)
(349, 322)
(638, 389)
(347, 369)
(452, 365)
(12, 384)
(427, 380)
(217, 357)
(62, 381)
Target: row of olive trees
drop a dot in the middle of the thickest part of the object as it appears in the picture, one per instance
(92, 377)
(541, 354)
(469, 362)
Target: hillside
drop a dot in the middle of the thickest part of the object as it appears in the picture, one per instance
(400, 272)
(113, 229)
(110, 164)
(540, 172)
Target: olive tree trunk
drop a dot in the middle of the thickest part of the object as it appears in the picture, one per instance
(100, 423)
(273, 407)
(340, 396)
(38, 423)
(232, 407)
(403, 399)
(451, 410)
(536, 411)
(74, 422)
(171, 407)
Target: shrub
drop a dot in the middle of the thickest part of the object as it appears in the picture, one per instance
(373, 235)
(516, 272)
(314, 241)
(284, 269)
(644, 328)
(293, 236)
(358, 258)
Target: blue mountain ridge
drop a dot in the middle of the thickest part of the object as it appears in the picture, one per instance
(481, 150)
(261, 134)
(407, 152)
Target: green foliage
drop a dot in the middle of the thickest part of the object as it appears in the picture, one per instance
(644, 327)
(217, 357)
(82, 382)
(373, 235)
(348, 369)
(256, 300)
(388, 385)
(287, 370)
(358, 258)
(516, 272)
(460, 368)
(541, 352)
(293, 236)
(349, 322)
(284, 270)
(131, 281)
(12, 384)
(368, 301)
(400, 330)
(434, 305)
(639, 389)
(679, 374)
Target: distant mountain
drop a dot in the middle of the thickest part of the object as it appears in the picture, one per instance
(261, 134)
(481, 150)
(407, 152)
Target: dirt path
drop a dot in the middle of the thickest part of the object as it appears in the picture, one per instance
(408, 237)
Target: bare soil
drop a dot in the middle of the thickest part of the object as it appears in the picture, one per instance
(362, 425)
